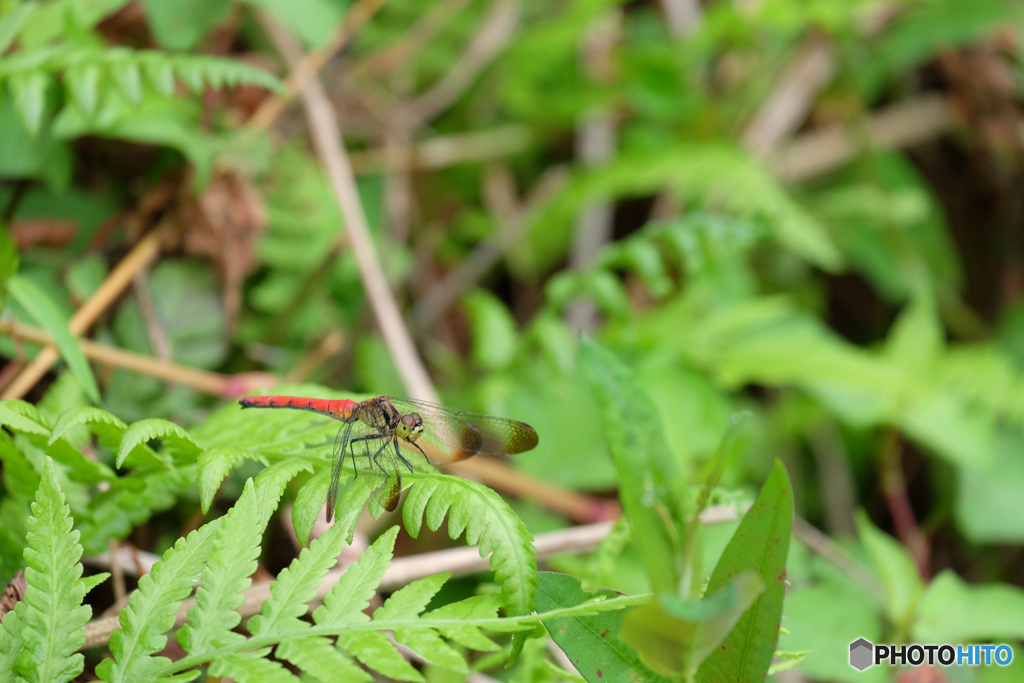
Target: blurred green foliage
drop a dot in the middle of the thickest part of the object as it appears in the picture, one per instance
(725, 301)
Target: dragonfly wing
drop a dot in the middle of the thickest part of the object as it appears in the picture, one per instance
(461, 434)
(341, 445)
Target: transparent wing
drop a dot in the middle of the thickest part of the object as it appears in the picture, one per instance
(452, 435)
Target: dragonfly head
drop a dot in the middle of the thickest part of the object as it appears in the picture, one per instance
(410, 426)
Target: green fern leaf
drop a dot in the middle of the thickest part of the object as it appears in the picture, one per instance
(175, 439)
(52, 615)
(296, 585)
(11, 24)
(408, 602)
(24, 418)
(253, 665)
(129, 502)
(29, 91)
(214, 465)
(429, 645)
(271, 482)
(128, 76)
(83, 84)
(477, 607)
(107, 428)
(357, 586)
(10, 640)
(374, 650)
(160, 73)
(151, 609)
(488, 521)
(318, 657)
(227, 574)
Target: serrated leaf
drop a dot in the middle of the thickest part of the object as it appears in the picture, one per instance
(83, 83)
(108, 428)
(296, 585)
(160, 74)
(252, 665)
(128, 77)
(214, 465)
(318, 657)
(476, 607)
(357, 586)
(227, 575)
(409, 601)
(52, 615)
(152, 606)
(488, 521)
(24, 418)
(29, 92)
(174, 437)
(47, 315)
(375, 651)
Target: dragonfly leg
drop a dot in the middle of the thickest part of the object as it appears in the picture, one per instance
(421, 453)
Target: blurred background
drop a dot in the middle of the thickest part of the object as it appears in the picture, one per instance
(810, 210)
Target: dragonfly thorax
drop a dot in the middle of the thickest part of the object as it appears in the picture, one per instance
(409, 426)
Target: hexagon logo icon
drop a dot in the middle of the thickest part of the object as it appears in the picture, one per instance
(861, 652)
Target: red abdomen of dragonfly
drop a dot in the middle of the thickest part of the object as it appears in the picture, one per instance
(340, 409)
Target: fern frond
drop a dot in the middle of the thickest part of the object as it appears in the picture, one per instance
(488, 522)
(175, 439)
(151, 609)
(252, 665)
(375, 651)
(357, 586)
(228, 573)
(214, 465)
(25, 419)
(129, 502)
(51, 617)
(319, 657)
(106, 427)
(296, 585)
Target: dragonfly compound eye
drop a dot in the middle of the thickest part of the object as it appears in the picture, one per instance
(410, 426)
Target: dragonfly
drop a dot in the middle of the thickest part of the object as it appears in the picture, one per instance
(378, 430)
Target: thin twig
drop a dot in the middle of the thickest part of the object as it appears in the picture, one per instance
(446, 150)
(111, 288)
(213, 383)
(492, 37)
(901, 125)
(306, 68)
(791, 100)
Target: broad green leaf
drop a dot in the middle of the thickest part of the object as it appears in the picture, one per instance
(953, 611)
(675, 635)
(8, 261)
(591, 643)
(493, 329)
(760, 543)
(650, 483)
(45, 313)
